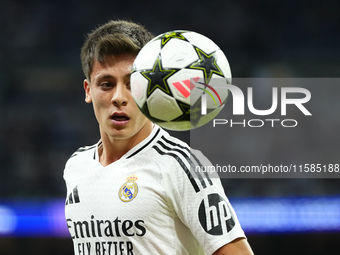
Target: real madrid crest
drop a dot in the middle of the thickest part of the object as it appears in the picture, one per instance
(128, 191)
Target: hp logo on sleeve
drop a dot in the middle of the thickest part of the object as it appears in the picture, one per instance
(215, 215)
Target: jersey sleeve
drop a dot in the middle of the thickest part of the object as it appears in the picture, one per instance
(199, 200)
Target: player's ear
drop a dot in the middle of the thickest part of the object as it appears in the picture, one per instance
(87, 88)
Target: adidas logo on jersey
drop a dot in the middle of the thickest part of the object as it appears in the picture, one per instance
(73, 197)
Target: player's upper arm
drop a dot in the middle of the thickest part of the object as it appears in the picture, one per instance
(239, 246)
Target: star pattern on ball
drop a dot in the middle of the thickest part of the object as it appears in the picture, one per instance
(157, 77)
(186, 111)
(207, 63)
(171, 35)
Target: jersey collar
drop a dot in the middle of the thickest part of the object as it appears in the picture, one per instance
(138, 148)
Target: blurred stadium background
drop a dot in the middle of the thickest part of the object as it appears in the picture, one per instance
(44, 118)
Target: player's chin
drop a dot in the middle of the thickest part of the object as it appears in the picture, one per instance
(122, 129)
(119, 133)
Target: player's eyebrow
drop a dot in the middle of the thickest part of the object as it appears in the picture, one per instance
(109, 76)
(105, 76)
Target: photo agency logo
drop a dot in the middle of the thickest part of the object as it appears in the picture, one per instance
(281, 97)
(204, 97)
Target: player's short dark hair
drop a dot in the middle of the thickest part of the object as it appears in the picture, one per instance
(112, 39)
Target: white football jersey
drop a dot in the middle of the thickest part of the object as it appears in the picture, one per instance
(150, 201)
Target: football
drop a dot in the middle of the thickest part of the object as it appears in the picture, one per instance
(177, 80)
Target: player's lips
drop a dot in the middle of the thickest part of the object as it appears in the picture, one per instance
(120, 118)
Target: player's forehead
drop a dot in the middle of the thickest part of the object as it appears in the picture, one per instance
(117, 66)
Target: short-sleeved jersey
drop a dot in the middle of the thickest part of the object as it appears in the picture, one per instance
(147, 202)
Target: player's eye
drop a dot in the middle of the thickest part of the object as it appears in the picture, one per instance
(128, 86)
(106, 85)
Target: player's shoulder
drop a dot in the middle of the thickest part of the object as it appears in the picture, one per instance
(168, 145)
(171, 143)
(182, 165)
(169, 151)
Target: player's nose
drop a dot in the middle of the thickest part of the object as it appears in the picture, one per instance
(119, 97)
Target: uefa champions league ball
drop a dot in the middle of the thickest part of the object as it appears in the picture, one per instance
(177, 80)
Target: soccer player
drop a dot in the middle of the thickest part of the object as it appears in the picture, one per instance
(133, 192)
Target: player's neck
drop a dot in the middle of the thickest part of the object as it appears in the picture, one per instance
(113, 149)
